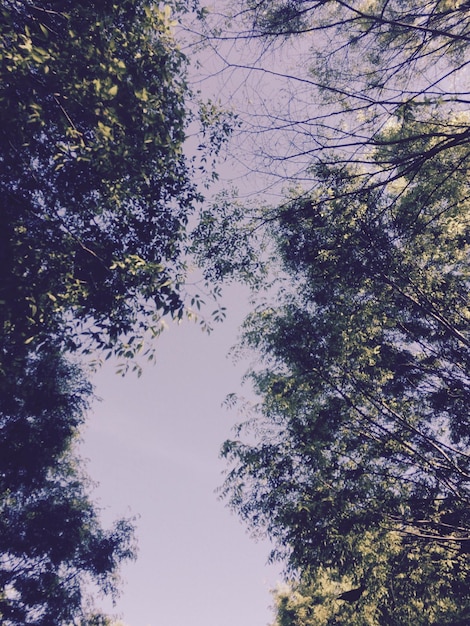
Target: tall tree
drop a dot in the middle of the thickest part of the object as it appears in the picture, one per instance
(320, 78)
(362, 430)
(95, 188)
(358, 452)
(53, 548)
(95, 196)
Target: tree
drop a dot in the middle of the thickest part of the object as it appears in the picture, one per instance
(418, 593)
(362, 430)
(96, 194)
(358, 461)
(52, 545)
(316, 82)
(96, 190)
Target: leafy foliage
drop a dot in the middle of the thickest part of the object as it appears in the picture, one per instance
(405, 583)
(359, 450)
(52, 545)
(356, 459)
(95, 188)
(95, 196)
(226, 245)
(330, 75)
(371, 338)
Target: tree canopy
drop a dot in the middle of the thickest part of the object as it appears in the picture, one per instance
(356, 462)
(95, 196)
(361, 436)
(53, 549)
(356, 459)
(330, 74)
(95, 188)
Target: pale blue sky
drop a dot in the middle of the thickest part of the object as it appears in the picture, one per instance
(153, 445)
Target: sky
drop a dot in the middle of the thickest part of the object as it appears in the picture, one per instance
(152, 444)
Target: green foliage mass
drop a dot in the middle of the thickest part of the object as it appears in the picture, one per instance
(355, 461)
(360, 463)
(53, 549)
(401, 587)
(95, 189)
(95, 196)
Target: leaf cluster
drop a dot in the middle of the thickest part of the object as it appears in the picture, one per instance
(52, 544)
(95, 196)
(95, 188)
(362, 428)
